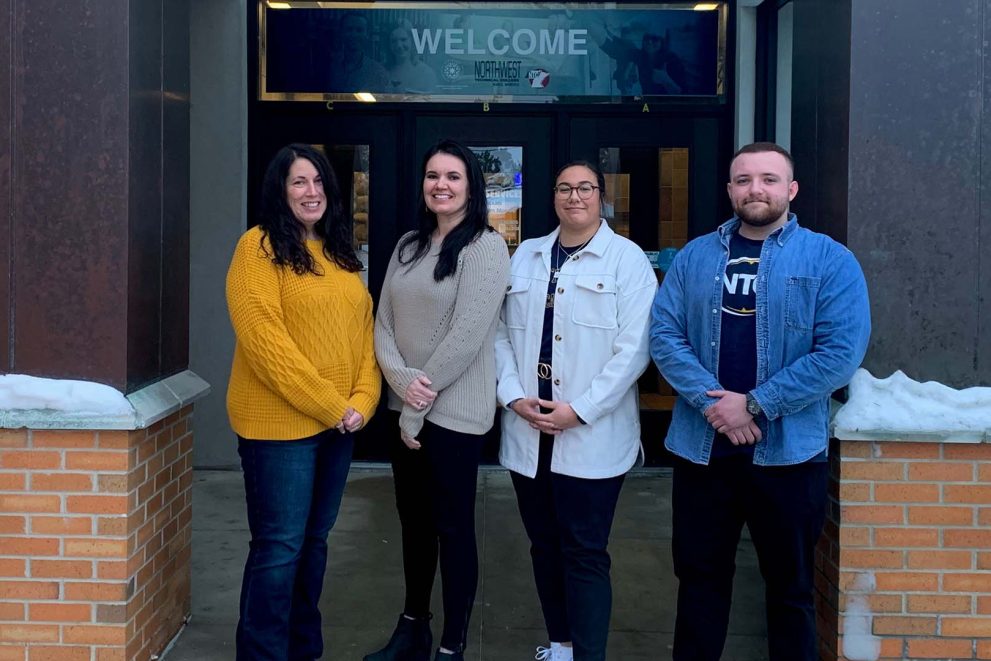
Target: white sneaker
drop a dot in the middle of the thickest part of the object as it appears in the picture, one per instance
(556, 652)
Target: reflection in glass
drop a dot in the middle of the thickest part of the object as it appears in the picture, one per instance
(350, 163)
(672, 227)
(616, 203)
(620, 166)
(503, 170)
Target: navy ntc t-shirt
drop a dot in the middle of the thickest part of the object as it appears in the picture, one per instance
(738, 336)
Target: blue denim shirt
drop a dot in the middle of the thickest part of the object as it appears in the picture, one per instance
(813, 324)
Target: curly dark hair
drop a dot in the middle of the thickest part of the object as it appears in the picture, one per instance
(476, 220)
(284, 231)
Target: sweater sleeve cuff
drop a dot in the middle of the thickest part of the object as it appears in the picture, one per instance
(411, 421)
(364, 405)
(406, 376)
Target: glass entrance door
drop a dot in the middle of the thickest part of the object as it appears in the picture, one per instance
(662, 190)
(515, 153)
(363, 149)
(516, 157)
(663, 183)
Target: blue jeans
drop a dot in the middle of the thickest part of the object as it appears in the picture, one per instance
(293, 491)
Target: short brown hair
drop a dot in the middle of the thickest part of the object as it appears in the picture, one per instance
(762, 147)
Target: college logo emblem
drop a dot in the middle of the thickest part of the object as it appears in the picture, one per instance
(451, 70)
(538, 77)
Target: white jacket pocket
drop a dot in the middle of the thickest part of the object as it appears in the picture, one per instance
(595, 301)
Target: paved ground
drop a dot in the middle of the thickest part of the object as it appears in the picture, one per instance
(363, 591)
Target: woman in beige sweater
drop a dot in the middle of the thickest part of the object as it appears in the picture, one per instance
(434, 339)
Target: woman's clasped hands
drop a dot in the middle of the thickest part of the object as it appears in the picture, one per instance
(418, 396)
(352, 421)
(559, 417)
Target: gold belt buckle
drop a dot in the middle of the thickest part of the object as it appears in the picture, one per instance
(543, 371)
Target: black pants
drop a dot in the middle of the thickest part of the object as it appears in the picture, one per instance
(435, 496)
(568, 520)
(785, 508)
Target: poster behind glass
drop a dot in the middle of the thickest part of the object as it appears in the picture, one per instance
(393, 51)
(503, 170)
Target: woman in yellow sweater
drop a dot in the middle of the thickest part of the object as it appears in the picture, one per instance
(303, 379)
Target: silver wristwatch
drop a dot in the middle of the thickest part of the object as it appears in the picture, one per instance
(753, 406)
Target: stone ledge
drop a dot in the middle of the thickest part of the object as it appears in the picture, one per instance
(150, 404)
(884, 435)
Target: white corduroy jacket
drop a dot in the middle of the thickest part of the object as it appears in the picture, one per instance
(600, 349)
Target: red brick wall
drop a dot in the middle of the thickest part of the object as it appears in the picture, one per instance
(906, 556)
(95, 530)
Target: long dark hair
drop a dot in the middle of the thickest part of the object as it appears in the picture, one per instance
(284, 231)
(476, 220)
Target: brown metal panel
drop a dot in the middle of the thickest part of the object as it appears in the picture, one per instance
(70, 201)
(175, 193)
(6, 148)
(144, 272)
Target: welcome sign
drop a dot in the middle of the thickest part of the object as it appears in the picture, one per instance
(498, 41)
(489, 51)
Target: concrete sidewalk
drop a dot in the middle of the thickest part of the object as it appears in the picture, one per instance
(363, 591)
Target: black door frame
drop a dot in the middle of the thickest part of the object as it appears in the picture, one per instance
(550, 136)
(391, 130)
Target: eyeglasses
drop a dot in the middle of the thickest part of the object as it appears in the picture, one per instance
(584, 189)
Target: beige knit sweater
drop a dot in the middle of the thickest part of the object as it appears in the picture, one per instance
(446, 331)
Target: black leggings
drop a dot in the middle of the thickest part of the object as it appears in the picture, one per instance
(435, 496)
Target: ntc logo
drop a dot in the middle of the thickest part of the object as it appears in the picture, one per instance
(451, 70)
(538, 77)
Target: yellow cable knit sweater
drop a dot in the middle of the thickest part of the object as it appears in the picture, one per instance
(304, 351)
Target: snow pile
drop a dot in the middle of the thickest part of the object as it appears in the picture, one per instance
(899, 405)
(20, 392)
(859, 644)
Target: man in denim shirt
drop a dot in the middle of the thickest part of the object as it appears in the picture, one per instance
(755, 325)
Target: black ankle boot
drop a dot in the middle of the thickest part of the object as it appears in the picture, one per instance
(411, 641)
(453, 656)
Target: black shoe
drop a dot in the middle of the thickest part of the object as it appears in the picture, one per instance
(453, 656)
(411, 641)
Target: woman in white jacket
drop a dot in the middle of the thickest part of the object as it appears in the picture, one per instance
(571, 429)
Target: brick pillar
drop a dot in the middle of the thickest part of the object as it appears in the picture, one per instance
(904, 568)
(95, 530)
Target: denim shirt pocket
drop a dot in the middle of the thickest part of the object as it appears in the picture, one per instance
(801, 293)
(516, 302)
(595, 301)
